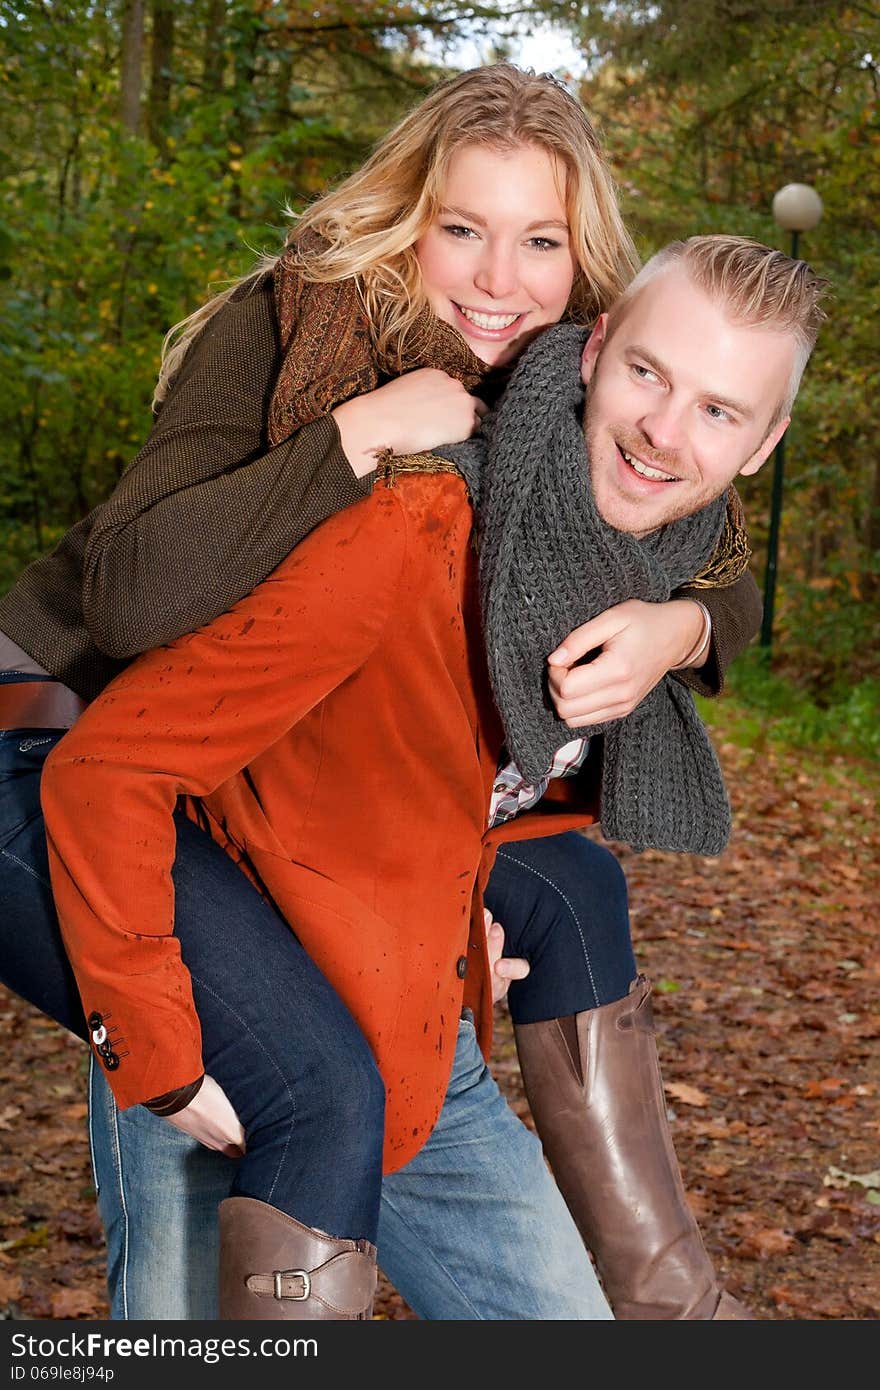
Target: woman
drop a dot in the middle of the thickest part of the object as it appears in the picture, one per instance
(215, 485)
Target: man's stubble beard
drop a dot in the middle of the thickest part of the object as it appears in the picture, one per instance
(666, 462)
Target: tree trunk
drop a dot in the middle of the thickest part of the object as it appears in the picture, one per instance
(161, 56)
(212, 70)
(132, 51)
(870, 579)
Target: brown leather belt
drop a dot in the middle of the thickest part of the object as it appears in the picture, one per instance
(39, 705)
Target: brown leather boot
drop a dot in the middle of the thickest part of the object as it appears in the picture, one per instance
(594, 1089)
(272, 1268)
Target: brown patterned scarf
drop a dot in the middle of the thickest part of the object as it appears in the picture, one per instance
(330, 356)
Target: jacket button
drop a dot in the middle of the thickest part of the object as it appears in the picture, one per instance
(461, 967)
(95, 1020)
(110, 1060)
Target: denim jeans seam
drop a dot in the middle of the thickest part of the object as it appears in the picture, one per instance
(91, 1083)
(14, 859)
(271, 1060)
(116, 1148)
(504, 854)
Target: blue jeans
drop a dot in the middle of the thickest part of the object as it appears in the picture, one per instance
(563, 905)
(473, 1228)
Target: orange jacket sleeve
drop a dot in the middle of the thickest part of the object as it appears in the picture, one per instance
(180, 721)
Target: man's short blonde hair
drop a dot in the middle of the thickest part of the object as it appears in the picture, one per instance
(758, 286)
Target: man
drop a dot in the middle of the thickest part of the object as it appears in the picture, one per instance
(690, 381)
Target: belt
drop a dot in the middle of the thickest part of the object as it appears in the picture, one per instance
(39, 705)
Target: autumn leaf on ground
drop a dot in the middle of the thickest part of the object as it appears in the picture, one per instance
(760, 1244)
(688, 1095)
(10, 1288)
(837, 1177)
(75, 1303)
(821, 1090)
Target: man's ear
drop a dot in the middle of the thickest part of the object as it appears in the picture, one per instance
(593, 347)
(766, 448)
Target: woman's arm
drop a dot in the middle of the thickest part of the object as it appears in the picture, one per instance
(181, 721)
(735, 613)
(206, 510)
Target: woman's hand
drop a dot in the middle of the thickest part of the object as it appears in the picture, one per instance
(501, 971)
(411, 415)
(211, 1118)
(638, 642)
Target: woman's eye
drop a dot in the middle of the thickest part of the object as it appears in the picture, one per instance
(544, 243)
(462, 233)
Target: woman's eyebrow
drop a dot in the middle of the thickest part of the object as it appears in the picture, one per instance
(481, 221)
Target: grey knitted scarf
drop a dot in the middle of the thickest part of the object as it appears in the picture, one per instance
(548, 562)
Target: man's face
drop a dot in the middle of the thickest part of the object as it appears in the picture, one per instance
(680, 401)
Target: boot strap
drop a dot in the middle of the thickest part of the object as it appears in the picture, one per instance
(345, 1283)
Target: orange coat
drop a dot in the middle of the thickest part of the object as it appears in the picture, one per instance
(338, 725)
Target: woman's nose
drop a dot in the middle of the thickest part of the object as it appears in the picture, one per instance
(497, 273)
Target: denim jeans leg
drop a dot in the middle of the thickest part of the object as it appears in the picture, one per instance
(33, 962)
(474, 1227)
(562, 902)
(158, 1193)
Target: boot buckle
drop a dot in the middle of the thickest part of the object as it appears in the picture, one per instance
(279, 1274)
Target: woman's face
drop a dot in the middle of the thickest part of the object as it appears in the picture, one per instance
(497, 262)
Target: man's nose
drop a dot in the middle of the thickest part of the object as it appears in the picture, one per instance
(497, 272)
(663, 426)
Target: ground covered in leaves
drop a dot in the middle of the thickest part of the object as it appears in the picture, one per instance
(766, 966)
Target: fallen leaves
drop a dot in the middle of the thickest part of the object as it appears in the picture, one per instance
(76, 1303)
(759, 1244)
(837, 1177)
(10, 1288)
(688, 1095)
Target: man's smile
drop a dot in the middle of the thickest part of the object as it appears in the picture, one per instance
(632, 467)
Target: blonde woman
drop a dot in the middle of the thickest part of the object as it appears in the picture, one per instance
(388, 323)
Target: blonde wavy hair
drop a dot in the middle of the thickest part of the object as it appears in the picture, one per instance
(370, 223)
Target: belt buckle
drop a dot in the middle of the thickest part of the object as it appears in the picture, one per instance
(279, 1274)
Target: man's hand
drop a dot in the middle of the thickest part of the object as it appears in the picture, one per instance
(501, 971)
(639, 643)
(211, 1118)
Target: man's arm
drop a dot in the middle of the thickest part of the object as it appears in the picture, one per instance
(181, 721)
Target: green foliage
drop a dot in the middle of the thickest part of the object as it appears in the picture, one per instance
(111, 231)
(772, 707)
(109, 235)
(708, 110)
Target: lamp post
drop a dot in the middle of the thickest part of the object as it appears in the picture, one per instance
(797, 208)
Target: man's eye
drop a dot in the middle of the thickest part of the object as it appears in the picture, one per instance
(717, 412)
(643, 373)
